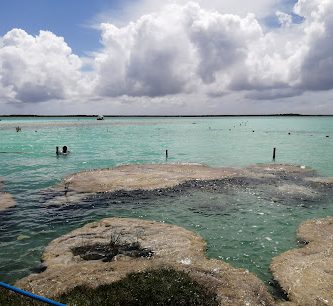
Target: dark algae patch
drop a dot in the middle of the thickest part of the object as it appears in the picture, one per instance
(106, 252)
(9, 298)
(156, 287)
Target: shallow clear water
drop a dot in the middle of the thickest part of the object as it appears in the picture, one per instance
(241, 226)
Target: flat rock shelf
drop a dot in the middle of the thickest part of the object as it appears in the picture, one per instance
(166, 246)
(285, 180)
(306, 273)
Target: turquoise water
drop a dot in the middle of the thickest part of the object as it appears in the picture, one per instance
(241, 226)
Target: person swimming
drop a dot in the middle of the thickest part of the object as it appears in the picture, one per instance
(64, 151)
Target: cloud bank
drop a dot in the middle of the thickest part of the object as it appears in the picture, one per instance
(181, 49)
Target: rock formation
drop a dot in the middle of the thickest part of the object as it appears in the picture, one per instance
(306, 274)
(106, 251)
(300, 181)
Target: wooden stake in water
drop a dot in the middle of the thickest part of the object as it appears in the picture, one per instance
(274, 150)
(166, 153)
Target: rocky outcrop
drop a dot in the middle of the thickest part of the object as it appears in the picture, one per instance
(306, 274)
(158, 176)
(106, 251)
(146, 177)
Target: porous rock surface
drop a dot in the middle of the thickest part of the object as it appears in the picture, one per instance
(158, 176)
(306, 274)
(146, 177)
(170, 246)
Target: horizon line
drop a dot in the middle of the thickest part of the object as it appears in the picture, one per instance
(175, 116)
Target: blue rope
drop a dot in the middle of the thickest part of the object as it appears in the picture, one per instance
(29, 294)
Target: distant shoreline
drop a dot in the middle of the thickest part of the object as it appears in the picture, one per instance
(164, 116)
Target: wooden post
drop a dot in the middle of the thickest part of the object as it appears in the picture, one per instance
(166, 153)
(57, 150)
(274, 150)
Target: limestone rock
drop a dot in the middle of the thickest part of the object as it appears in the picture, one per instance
(306, 274)
(157, 176)
(146, 177)
(170, 246)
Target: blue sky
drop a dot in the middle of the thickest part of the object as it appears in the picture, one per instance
(166, 56)
(72, 19)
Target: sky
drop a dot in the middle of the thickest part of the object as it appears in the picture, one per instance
(166, 57)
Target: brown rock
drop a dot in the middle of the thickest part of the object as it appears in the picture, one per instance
(169, 246)
(306, 274)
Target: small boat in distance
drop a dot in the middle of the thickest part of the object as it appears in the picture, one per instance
(100, 117)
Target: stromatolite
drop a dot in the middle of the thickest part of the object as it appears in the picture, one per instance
(168, 246)
(306, 274)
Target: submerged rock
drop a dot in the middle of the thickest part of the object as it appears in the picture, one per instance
(22, 237)
(6, 199)
(166, 246)
(297, 191)
(282, 169)
(306, 274)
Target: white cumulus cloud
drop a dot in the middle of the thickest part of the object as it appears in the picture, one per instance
(317, 65)
(173, 51)
(151, 56)
(261, 8)
(36, 69)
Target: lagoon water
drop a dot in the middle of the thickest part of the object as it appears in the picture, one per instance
(241, 226)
